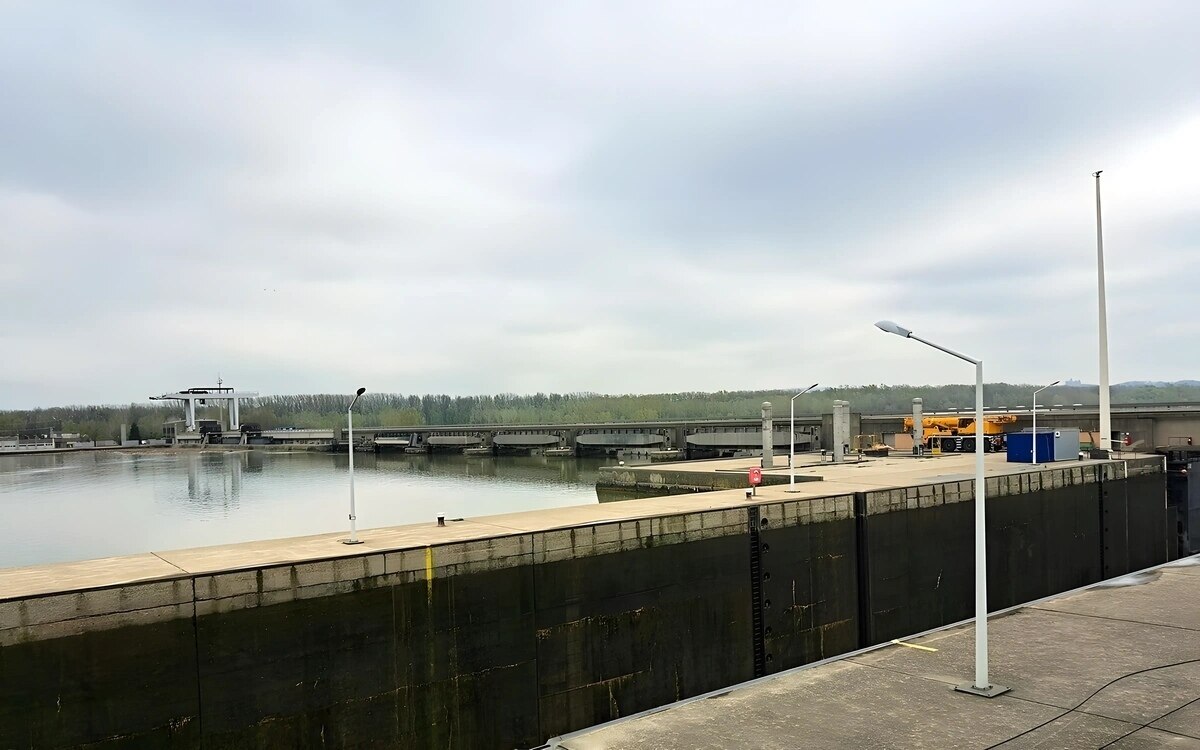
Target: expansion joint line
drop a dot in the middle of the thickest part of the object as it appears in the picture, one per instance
(1114, 619)
(176, 567)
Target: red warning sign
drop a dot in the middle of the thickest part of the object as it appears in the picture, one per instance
(755, 476)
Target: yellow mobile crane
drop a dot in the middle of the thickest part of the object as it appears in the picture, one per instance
(957, 434)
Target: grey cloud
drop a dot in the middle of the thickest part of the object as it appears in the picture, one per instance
(460, 197)
(780, 169)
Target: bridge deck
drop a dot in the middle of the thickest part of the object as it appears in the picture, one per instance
(1117, 665)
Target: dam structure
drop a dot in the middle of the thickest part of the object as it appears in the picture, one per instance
(1141, 425)
(507, 630)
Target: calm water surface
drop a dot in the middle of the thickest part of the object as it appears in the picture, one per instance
(76, 506)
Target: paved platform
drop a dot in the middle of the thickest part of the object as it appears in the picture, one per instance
(1114, 666)
(865, 474)
(840, 479)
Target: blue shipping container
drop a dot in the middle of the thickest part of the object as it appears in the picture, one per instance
(1020, 446)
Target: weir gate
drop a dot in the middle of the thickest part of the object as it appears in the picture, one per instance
(680, 439)
(503, 631)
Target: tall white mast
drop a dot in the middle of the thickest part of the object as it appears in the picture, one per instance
(1105, 411)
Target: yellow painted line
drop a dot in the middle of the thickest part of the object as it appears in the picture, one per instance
(429, 575)
(913, 645)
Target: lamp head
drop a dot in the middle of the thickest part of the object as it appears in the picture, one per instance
(889, 327)
(360, 392)
(1056, 382)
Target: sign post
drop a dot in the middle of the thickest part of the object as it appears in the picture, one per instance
(755, 479)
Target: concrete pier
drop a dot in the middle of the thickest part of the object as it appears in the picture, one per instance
(507, 630)
(768, 434)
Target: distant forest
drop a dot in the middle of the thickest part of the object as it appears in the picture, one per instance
(397, 410)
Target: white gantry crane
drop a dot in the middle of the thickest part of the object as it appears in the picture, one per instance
(204, 395)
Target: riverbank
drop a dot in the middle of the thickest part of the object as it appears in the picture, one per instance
(82, 449)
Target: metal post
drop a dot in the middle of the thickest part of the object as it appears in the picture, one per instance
(1035, 393)
(792, 458)
(981, 621)
(350, 440)
(981, 686)
(1033, 459)
(1105, 410)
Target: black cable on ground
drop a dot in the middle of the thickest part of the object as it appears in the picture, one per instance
(1098, 690)
(1143, 726)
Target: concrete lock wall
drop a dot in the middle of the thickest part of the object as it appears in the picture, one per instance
(506, 641)
(1047, 532)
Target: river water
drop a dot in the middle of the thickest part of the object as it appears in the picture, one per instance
(77, 506)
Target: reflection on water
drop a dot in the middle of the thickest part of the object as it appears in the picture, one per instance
(74, 506)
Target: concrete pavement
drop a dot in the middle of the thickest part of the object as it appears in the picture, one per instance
(1116, 665)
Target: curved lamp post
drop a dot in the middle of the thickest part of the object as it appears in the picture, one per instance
(350, 439)
(981, 685)
(1035, 393)
(792, 459)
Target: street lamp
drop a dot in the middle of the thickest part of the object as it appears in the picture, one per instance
(1105, 406)
(792, 459)
(981, 686)
(1035, 393)
(350, 440)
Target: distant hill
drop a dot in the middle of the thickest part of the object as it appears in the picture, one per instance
(1138, 384)
(1156, 384)
(396, 409)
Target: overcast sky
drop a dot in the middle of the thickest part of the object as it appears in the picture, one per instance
(612, 197)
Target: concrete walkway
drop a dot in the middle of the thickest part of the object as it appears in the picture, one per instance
(1116, 666)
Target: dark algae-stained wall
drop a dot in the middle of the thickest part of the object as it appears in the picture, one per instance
(503, 642)
(1047, 532)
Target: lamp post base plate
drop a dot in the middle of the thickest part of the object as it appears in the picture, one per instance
(352, 541)
(990, 691)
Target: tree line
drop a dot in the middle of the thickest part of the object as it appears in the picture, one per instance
(325, 410)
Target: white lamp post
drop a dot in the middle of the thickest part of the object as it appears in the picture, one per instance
(1105, 409)
(350, 439)
(981, 686)
(792, 459)
(1035, 393)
